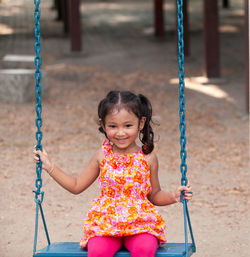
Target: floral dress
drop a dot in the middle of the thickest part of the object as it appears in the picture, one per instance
(123, 208)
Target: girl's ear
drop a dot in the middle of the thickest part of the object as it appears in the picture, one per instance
(102, 124)
(142, 123)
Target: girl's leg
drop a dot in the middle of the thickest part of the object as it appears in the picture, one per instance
(141, 245)
(100, 246)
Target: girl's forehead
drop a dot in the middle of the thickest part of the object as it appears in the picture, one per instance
(120, 113)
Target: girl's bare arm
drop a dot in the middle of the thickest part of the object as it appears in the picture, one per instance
(70, 183)
(158, 196)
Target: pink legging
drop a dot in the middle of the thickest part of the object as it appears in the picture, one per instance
(141, 245)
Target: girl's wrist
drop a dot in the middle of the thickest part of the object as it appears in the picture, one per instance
(176, 199)
(51, 170)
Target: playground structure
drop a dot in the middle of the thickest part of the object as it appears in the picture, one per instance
(69, 12)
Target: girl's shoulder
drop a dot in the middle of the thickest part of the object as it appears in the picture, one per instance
(99, 155)
(151, 159)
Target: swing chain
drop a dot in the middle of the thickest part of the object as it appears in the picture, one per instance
(182, 125)
(38, 89)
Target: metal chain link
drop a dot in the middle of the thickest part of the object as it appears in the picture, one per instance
(38, 88)
(182, 125)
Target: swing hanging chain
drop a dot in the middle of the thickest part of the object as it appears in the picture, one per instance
(39, 135)
(38, 193)
(182, 125)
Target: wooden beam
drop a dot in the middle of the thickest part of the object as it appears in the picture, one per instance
(247, 53)
(159, 18)
(75, 25)
(211, 38)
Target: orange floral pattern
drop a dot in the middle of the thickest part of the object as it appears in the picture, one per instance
(123, 208)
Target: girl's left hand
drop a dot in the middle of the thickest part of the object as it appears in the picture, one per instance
(188, 195)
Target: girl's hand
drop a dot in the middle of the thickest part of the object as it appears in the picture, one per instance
(188, 195)
(47, 163)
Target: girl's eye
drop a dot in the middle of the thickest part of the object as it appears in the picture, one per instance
(128, 125)
(111, 126)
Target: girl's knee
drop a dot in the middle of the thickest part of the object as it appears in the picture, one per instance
(142, 245)
(144, 250)
(99, 252)
(95, 252)
(103, 246)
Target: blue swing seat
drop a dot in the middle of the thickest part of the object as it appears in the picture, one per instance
(73, 249)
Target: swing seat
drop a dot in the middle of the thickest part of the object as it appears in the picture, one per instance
(73, 249)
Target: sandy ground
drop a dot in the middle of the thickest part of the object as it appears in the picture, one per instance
(120, 52)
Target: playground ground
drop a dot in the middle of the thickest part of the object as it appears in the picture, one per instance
(120, 52)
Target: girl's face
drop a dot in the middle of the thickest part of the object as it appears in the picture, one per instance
(122, 129)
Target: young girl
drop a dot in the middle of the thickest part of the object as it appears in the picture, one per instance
(124, 213)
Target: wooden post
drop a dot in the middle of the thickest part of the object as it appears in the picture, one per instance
(247, 53)
(75, 25)
(159, 18)
(58, 7)
(225, 3)
(211, 38)
(64, 6)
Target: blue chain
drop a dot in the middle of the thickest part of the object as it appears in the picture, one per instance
(39, 135)
(38, 76)
(182, 126)
(183, 153)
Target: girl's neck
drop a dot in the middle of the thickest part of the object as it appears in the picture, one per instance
(129, 150)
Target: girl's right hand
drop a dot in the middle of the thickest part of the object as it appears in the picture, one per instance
(45, 159)
(188, 195)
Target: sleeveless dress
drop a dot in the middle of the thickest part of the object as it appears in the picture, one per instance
(123, 209)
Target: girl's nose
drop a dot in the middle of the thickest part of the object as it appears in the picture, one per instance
(120, 132)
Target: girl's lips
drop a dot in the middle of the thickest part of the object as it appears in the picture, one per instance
(121, 141)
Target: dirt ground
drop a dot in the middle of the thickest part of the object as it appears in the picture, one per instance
(120, 52)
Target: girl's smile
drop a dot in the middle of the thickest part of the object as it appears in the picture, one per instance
(122, 140)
